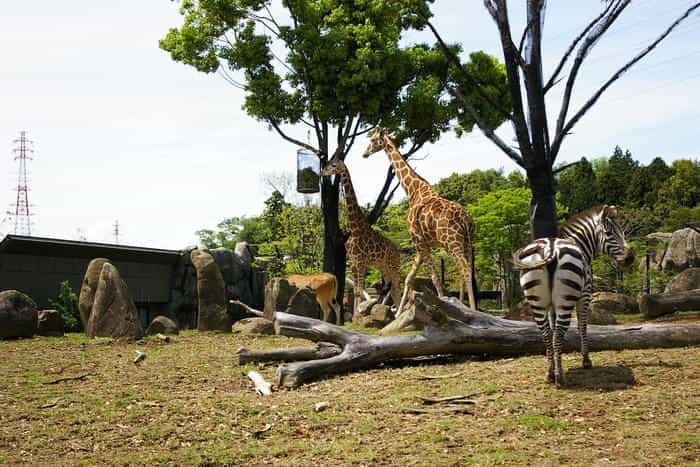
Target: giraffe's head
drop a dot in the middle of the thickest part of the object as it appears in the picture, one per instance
(376, 143)
(333, 167)
(612, 239)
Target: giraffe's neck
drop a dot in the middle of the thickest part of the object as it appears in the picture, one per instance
(357, 222)
(413, 184)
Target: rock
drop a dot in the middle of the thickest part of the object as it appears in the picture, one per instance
(379, 316)
(685, 281)
(254, 326)
(364, 308)
(614, 303)
(683, 250)
(18, 315)
(88, 289)
(278, 292)
(599, 316)
(303, 303)
(113, 312)
(520, 312)
(245, 252)
(162, 325)
(213, 315)
(50, 323)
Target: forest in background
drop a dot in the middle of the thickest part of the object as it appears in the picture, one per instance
(657, 197)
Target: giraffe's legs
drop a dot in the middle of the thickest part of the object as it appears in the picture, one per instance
(582, 320)
(465, 271)
(427, 256)
(358, 274)
(408, 285)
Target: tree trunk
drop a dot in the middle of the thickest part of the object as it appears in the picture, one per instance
(543, 212)
(653, 306)
(451, 328)
(334, 254)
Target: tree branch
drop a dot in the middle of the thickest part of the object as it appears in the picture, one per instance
(488, 132)
(570, 124)
(553, 79)
(478, 86)
(588, 43)
(500, 15)
(565, 166)
(276, 126)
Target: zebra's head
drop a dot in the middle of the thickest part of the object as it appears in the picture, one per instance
(612, 238)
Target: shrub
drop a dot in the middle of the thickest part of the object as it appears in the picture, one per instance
(67, 305)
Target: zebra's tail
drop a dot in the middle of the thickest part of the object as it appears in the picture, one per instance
(519, 264)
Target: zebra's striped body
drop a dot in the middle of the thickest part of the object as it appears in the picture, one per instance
(556, 278)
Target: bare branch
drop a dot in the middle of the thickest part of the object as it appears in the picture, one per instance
(588, 43)
(276, 126)
(570, 124)
(500, 16)
(474, 81)
(565, 166)
(488, 132)
(553, 79)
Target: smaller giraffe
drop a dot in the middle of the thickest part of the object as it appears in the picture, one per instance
(433, 222)
(365, 246)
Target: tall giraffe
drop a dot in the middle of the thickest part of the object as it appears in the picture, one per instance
(432, 221)
(365, 246)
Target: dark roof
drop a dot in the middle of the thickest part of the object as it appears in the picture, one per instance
(19, 244)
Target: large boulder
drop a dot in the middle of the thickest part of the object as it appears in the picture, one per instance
(113, 313)
(18, 315)
(614, 303)
(211, 291)
(245, 252)
(685, 281)
(683, 250)
(379, 316)
(254, 326)
(50, 323)
(88, 288)
(303, 303)
(600, 316)
(162, 325)
(278, 292)
(596, 315)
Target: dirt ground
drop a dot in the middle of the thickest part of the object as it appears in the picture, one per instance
(188, 403)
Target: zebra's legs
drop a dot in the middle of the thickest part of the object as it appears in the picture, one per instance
(562, 318)
(582, 319)
(542, 322)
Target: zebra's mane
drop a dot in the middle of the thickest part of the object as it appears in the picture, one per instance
(583, 214)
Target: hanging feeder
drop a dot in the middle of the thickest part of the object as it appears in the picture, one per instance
(308, 171)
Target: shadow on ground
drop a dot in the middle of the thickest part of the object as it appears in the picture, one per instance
(606, 378)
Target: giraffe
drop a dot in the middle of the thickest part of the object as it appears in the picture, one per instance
(432, 221)
(365, 246)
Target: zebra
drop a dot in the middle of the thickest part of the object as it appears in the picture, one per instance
(556, 277)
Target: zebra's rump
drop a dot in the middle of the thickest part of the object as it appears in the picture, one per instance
(552, 271)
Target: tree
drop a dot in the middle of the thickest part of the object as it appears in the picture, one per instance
(574, 186)
(643, 188)
(537, 152)
(683, 189)
(468, 188)
(334, 66)
(615, 177)
(67, 306)
(502, 227)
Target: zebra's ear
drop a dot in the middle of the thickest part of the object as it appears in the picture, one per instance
(610, 212)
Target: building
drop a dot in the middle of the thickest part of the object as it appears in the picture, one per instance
(36, 266)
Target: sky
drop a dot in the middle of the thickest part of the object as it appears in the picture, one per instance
(123, 133)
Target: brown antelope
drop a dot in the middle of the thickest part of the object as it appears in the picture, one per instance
(325, 286)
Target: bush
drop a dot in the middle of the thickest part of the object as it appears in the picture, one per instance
(67, 305)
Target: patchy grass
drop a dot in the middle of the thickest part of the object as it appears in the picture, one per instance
(188, 403)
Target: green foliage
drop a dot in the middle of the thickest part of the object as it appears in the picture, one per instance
(468, 188)
(502, 226)
(614, 178)
(575, 187)
(302, 238)
(67, 305)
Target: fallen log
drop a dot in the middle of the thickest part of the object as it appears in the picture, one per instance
(291, 354)
(653, 306)
(449, 327)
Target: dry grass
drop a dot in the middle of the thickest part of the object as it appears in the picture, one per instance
(188, 403)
